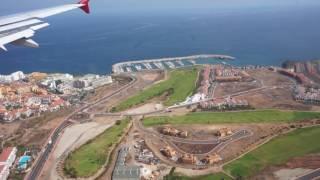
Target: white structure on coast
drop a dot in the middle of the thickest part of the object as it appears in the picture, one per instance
(125, 66)
(16, 76)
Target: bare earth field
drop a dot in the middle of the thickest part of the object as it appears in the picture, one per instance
(102, 91)
(275, 99)
(194, 148)
(235, 87)
(293, 168)
(73, 137)
(33, 132)
(277, 93)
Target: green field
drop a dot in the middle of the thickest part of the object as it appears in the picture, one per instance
(276, 152)
(218, 176)
(89, 158)
(232, 117)
(180, 84)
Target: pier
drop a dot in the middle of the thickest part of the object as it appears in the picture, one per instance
(159, 65)
(170, 64)
(138, 67)
(180, 63)
(148, 66)
(165, 63)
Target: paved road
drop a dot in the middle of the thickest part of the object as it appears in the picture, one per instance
(128, 114)
(40, 162)
(313, 175)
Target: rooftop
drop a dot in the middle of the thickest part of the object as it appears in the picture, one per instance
(5, 154)
(132, 172)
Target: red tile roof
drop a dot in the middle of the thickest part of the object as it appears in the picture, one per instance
(5, 154)
(58, 102)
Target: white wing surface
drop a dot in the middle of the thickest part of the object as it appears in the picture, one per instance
(19, 28)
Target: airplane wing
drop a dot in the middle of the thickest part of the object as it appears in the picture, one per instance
(19, 28)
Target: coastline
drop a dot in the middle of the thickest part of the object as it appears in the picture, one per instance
(166, 63)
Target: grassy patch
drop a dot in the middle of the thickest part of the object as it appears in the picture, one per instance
(218, 176)
(276, 152)
(89, 158)
(180, 84)
(232, 117)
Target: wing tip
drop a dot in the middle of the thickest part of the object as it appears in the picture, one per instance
(85, 6)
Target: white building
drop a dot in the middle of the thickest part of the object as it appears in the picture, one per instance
(194, 99)
(19, 75)
(62, 77)
(4, 172)
(36, 101)
(101, 81)
(50, 81)
(7, 158)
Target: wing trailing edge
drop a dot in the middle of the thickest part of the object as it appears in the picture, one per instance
(26, 42)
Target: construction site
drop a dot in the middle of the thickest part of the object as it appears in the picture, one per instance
(200, 148)
(150, 151)
(207, 148)
(260, 87)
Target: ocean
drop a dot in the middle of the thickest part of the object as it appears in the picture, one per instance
(82, 44)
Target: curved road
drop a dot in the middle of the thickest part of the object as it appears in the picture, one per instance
(237, 135)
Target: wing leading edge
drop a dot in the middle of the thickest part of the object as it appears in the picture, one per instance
(19, 28)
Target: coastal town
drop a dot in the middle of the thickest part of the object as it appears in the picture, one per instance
(160, 90)
(151, 138)
(25, 96)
